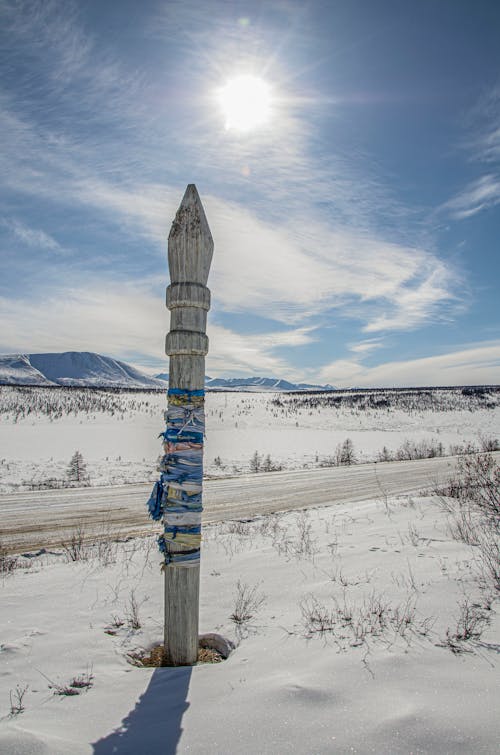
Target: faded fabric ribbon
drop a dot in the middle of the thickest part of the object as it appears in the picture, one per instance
(177, 495)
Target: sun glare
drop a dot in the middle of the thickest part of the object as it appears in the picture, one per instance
(245, 102)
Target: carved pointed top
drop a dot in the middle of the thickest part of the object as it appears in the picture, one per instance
(190, 243)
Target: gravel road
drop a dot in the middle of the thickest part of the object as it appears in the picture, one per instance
(32, 520)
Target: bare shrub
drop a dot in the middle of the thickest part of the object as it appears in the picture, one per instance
(423, 449)
(114, 625)
(488, 443)
(480, 475)
(16, 700)
(316, 617)
(344, 453)
(302, 544)
(354, 624)
(105, 548)
(464, 525)
(488, 559)
(472, 503)
(471, 622)
(76, 548)
(8, 564)
(477, 481)
(64, 690)
(384, 455)
(240, 527)
(83, 681)
(247, 602)
(132, 611)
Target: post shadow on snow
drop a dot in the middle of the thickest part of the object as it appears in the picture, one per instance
(155, 724)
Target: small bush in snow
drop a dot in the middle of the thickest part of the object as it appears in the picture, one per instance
(132, 611)
(16, 700)
(471, 622)
(247, 602)
(76, 548)
(8, 563)
(344, 454)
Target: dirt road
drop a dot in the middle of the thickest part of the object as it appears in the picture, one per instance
(31, 520)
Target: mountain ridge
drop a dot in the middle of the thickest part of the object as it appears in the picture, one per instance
(84, 369)
(89, 369)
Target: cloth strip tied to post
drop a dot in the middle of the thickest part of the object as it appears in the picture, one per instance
(177, 495)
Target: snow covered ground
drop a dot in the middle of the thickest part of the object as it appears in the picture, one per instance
(117, 432)
(370, 628)
(351, 644)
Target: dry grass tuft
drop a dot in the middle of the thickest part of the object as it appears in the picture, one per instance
(155, 658)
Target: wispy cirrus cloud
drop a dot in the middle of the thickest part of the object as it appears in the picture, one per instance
(35, 238)
(278, 268)
(365, 347)
(280, 271)
(483, 147)
(299, 235)
(483, 142)
(481, 194)
(47, 38)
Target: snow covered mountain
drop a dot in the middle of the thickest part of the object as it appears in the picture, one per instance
(76, 368)
(257, 384)
(16, 369)
(84, 368)
(262, 384)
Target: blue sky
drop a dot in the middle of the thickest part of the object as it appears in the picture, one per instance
(356, 231)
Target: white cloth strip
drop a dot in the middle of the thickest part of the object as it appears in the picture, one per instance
(186, 519)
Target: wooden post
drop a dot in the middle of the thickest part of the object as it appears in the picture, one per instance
(190, 249)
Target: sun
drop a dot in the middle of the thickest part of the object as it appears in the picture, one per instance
(245, 102)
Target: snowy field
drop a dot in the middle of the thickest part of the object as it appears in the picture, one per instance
(117, 432)
(371, 627)
(359, 629)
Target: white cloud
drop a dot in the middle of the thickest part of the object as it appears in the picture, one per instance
(484, 139)
(281, 270)
(297, 238)
(363, 347)
(237, 354)
(483, 146)
(477, 364)
(481, 194)
(32, 237)
(130, 322)
(288, 273)
(116, 320)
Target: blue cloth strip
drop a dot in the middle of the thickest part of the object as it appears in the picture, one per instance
(155, 501)
(182, 434)
(185, 392)
(179, 489)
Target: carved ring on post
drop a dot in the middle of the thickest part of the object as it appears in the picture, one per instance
(188, 295)
(186, 342)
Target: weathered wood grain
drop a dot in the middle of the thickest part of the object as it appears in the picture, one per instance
(190, 250)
